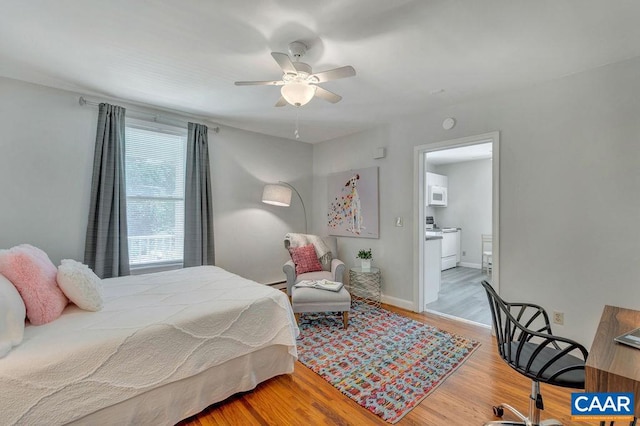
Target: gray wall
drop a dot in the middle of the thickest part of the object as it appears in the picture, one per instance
(393, 250)
(469, 205)
(46, 154)
(249, 234)
(569, 191)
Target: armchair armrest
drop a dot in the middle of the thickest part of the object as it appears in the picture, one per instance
(534, 354)
(528, 313)
(337, 270)
(540, 341)
(289, 269)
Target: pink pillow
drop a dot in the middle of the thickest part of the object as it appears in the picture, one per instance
(34, 276)
(306, 259)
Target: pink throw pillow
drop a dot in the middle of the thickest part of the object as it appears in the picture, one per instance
(34, 276)
(306, 259)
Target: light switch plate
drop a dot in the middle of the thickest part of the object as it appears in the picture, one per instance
(399, 221)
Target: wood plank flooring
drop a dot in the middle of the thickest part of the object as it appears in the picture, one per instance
(462, 295)
(465, 398)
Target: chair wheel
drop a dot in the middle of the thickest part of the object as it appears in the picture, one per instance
(498, 411)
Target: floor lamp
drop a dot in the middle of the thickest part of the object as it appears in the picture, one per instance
(280, 195)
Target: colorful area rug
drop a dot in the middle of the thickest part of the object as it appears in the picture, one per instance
(385, 362)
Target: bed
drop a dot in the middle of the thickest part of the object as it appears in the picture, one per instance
(164, 347)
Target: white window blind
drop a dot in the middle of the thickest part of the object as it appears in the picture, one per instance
(155, 169)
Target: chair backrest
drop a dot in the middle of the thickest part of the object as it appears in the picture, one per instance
(330, 241)
(523, 333)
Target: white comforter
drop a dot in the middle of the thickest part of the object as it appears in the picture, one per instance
(154, 329)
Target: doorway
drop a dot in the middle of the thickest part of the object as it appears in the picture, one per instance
(450, 257)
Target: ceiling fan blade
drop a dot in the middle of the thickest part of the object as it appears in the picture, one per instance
(281, 102)
(259, 83)
(335, 74)
(327, 95)
(285, 62)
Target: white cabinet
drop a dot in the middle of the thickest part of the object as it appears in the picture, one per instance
(437, 180)
(450, 247)
(436, 190)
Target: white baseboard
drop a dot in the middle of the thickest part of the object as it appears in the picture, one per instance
(441, 314)
(400, 303)
(471, 265)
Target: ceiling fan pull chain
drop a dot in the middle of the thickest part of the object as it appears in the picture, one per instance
(296, 133)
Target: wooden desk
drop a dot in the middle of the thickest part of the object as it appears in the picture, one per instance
(611, 366)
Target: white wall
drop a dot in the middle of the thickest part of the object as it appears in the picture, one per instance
(392, 251)
(248, 233)
(46, 155)
(569, 188)
(469, 204)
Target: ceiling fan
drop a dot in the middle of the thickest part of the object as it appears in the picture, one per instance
(299, 83)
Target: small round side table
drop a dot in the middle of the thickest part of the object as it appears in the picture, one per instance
(365, 285)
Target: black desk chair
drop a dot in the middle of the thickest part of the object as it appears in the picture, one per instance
(525, 342)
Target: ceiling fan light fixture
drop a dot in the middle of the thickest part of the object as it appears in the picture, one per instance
(298, 94)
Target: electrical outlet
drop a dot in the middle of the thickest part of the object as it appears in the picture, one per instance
(558, 317)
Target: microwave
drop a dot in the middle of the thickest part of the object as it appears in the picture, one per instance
(437, 195)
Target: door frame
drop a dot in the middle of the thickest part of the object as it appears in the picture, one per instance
(419, 207)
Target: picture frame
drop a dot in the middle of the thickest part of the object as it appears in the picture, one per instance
(353, 209)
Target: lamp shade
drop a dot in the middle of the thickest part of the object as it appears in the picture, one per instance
(298, 94)
(278, 195)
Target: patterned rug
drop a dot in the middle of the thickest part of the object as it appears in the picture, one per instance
(385, 362)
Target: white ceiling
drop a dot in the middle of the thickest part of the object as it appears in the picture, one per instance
(410, 56)
(457, 155)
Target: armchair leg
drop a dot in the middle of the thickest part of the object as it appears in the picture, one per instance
(297, 315)
(345, 319)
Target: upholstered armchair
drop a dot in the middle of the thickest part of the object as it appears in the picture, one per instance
(332, 268)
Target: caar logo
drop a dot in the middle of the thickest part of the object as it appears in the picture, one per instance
(602, 406)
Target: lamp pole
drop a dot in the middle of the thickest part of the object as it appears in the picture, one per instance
(304, 210)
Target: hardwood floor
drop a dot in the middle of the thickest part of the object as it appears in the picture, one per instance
(461, 295)
(465, 398)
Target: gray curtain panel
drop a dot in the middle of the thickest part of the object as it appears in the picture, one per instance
(198, 216)
(106, 250)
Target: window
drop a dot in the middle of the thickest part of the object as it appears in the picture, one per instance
(155, 168)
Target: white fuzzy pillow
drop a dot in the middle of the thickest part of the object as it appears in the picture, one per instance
(12, 315)
(80, 284)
